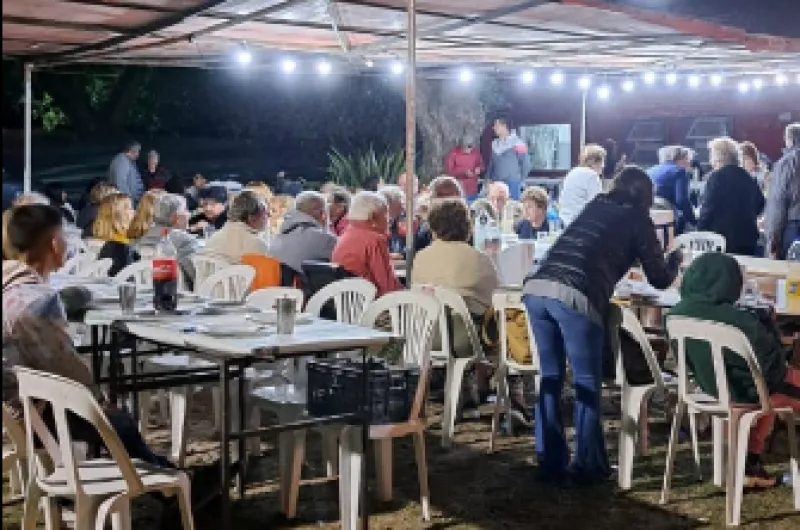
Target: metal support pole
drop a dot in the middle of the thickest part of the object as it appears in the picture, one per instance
(411, 132)
(27, 175)
(583, 118)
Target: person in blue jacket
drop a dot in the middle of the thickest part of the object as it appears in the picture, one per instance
(510, 162)
(671, 180)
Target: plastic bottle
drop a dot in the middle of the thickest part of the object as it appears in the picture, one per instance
(479, 231)
(165, 274)
(553, 220)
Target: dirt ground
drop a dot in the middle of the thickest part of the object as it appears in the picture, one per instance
(473, 489)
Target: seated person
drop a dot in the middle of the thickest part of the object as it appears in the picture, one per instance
(398, 221)
(363, 249)
(338, 204)
(170, 212)
(709, 291)
(442, 187)
(303, 236)
(143, 217)
(113, 221)
(534, 202)
(243, 233)
(88, 213)
(213, 210)
(35, 325)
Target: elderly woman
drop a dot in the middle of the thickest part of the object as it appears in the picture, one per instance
(732, 201)
(534, 203)
(671, 180)
(442, 187)
(568, 306)
(243, 233)
(582, 183)
(170, 213)
(112, 224)
(363, 249)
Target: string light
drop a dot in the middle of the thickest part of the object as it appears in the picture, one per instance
(694, 81)
(324, 67)
(465, 75)
(758, 83)
(528, 77)
(557, 77)
(628, 85)
(585, 82)
(649, 78)
(781, 79)
(603, 92)
(716, 79)
(671, 78)
(397, 68)
(288, 66)
(744, 87)
(244, 57)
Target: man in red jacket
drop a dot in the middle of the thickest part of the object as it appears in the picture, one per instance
(464, 163)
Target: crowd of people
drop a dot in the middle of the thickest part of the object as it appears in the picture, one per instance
(568, 298)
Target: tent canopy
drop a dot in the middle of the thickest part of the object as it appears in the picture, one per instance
(610, 35)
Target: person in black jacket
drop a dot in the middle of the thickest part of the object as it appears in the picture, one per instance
(732, 200)
(568, 302)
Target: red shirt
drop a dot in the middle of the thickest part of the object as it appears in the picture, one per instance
(365, 253)
(458, 162)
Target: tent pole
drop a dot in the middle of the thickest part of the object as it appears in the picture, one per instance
(583, 119)
(411, 132)
(27, 175)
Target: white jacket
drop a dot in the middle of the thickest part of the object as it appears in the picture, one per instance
(234, 240)
(578, 188)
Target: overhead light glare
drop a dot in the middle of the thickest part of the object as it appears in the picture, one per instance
(694, 80)
(585, 82)
(628, 85)
(557, 77)
(716, 79)
(288, 66)
(758, 83)
(397, 68)
(465, 75)
(671, 78)
(604, 92)
(649, 78)
(744, 87)
(781, 79)
(244, 57)
(369, 63)
(528, 77)
(324, 67)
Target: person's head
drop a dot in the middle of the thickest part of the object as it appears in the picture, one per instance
(24, 199)
(636, 184)
(338, 203)
(100, 191)
(792, 135)
(498, 196)
(408, 185)
(143, 217)
(152, 160)
(250, 209)
(713, 277)
(395, 198)
(466, 142)
(675, 154)
(502, 127)
(176, 184)
(199, 181)
(313, 204)
(371, 183)
(593, 156)
(445, 186)
(535, 202)
(55, 194)
(723, 152)
(132, 150)
(34, 233)
(114, 216)
(260, 189)
(370, 207)
(213, 200)
(749, 156)
(169, 211)
(449, 220)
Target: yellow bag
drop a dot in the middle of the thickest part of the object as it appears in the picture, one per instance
(516, 335)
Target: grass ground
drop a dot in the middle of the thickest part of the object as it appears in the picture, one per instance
(472, 489)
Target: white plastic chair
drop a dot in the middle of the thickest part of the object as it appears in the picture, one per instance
(350, 296)
(93, 245)
(264, 299)
(455, 366)
(230, 284)
(100, 487)
(515, 261)
(413, 316)
(141, 272)
(96, 268)
(77, 263)
(146, 252)
(506, 364)
(701, 242)
(15, 459)
(207, 264)
(739, 418)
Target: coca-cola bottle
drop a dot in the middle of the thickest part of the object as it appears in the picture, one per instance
(165, 275)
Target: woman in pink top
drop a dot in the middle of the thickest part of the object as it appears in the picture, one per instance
(363, 247)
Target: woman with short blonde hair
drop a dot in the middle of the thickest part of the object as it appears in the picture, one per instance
(143, 218)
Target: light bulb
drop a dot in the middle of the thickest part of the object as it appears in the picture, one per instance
(716, 79)
(557, 78)
(628, 85)
(324, 67)
(604, 92)
(649, 78)
(369, 63)
(397, 68)
(288, 66)
(585, 82)
(758, 83)
(528, 77)
(671, 78)
(744, 87)
(465, 75)
(694, 80)
(781, 79)
(244, 57)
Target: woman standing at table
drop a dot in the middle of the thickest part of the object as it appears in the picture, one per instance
(113, 221)
(568, 300)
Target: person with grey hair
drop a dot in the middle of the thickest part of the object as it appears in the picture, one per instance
(782, 223)
(155, 176)
(303, 236)
(170, 213)
(671, 179)
(442, 187)
(242, 234)
(732, 201)
(123, 174)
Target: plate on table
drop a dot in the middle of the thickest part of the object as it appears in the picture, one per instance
(233, 330)
(271, 318)
(225, 303)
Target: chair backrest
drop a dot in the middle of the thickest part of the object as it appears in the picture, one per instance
(206, 265)
(664, 221)
(515, 261)
(631, 324)
(15, 430)
(64, 395)
(269, 271)
(230, 284)
(146, 252)
(77, 263)
(502, 302)
(350, 298)
(701, 242)
(93, 245)
(412, 315)
(721, 338)
(140, 273)
(318, 274)
(453, 306)
(96, 268)
(264, 299)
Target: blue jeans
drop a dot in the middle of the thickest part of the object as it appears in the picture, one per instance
(562, 333)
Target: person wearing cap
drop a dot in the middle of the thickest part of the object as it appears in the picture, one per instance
(155, 176)
(213, 209)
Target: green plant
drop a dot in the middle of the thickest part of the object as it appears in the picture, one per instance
(353, 169)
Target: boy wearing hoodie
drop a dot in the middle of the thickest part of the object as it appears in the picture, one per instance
(510, 162)
(709, 291)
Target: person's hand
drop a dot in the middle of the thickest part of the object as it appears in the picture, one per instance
(199, 225)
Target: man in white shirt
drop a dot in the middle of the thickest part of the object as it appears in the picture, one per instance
(582, 183)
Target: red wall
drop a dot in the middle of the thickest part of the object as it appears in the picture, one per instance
(756, 115)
